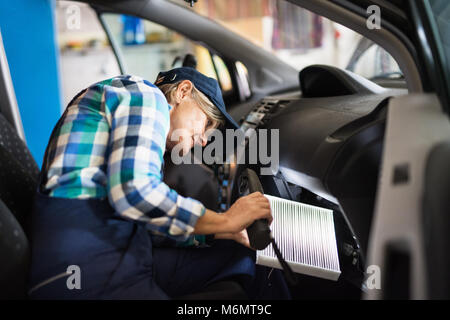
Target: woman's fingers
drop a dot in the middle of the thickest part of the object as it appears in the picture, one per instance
(247, 209)
(264, 212)
(257, 197)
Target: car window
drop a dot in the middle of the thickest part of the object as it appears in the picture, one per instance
(297, 36)
(374, 62)
(146, 48)
(85, 55)
(142, 48)
(441, 14)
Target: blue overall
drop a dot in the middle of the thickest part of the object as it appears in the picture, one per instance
(117, 260)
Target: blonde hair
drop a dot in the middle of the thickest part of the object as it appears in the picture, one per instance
(212, 112)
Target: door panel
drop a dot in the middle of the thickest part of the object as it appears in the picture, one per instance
(415, 124)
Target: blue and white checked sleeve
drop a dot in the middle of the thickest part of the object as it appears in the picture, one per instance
(138, 114)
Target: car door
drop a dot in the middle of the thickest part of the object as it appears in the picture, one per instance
(410, 232)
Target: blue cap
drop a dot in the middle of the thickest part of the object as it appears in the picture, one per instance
(208, 86)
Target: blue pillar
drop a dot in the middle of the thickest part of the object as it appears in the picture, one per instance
(29, 38)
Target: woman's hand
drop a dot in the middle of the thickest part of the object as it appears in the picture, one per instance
(236, 219)
(246, 210)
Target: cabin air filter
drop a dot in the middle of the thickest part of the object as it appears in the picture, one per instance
(306, 238)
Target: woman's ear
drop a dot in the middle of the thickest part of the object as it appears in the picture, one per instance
(184, 89)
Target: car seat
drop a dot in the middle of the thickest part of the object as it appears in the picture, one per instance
(18, 180)
(18, 173)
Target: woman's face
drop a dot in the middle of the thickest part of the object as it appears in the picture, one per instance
(188, 123)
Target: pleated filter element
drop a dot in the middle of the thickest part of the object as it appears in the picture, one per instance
(305, 236)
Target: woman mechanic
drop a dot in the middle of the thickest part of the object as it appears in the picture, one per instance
(101, 198)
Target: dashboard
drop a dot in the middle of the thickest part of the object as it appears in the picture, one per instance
(331, 133)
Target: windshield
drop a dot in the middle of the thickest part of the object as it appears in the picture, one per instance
(299, 37)
(441, 15)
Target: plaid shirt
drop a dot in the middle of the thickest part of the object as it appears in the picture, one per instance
(110, 143)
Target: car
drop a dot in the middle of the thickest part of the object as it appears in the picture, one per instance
(374, 149)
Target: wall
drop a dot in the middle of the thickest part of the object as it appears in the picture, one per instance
(85, 56)
(28, 30)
